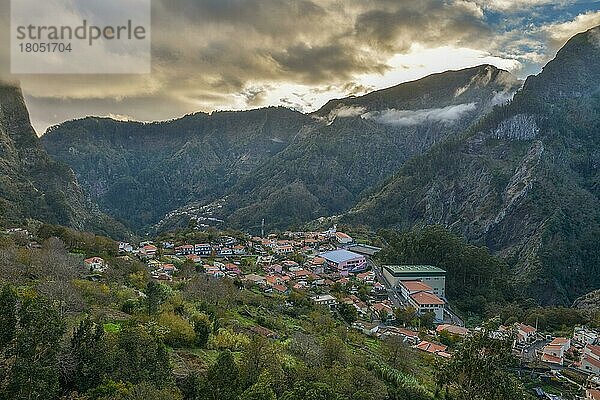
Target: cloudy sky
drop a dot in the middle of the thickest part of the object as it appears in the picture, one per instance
(238, 54)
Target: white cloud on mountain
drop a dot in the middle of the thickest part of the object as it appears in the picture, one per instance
(395, 117)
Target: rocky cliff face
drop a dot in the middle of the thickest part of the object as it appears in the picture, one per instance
(523, 181)
(32, 185)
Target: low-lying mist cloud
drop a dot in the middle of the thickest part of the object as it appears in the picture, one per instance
(417, 117)
(344, 112)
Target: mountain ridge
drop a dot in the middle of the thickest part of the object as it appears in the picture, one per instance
(33, 185)
(248, 176)
(522, 181)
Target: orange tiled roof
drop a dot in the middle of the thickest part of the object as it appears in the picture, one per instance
(415, 286)
(424, 298)
(549, 358)
(431, 347)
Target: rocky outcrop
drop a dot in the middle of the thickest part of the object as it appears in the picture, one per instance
(32, 184)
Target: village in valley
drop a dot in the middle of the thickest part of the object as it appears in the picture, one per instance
(381, 301)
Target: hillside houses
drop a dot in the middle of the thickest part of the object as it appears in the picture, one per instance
(554, 352)
(583, 336)
(343, 238)
(148, 251)
(326, 300)
(526, 334)
(314, 264)
(95, 264)
(590, 359)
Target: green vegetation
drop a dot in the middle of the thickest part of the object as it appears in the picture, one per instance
(475, 280)
(33, 186)
(100, 337)
(197, 338)
(522, 181)
(478, 369)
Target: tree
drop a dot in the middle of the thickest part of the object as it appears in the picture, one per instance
(478, 370)
(156, 294)
(32, 369)
(306, 348)
(202, 327)
(396, 352)
(427, 320)
(334, 351)
(261, 390)
(223, 378)
(180, 332)
(87, 351)
(348, 312)
(406, 315)
(8, 316)
(139, 355)
(112, 390)
(259, 354)
(304, 390)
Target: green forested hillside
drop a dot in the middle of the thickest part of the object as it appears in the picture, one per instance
(139, 172)
(34, 186)
(272, 163)
(523, 181)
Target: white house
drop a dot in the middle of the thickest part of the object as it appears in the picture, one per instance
(203, 249)
(184, 250)
(583, 335)
(148, 251)
(95, 264)
(425, 302)
(525, 333)
(343, 238)
(325, 300)
(125, 247)
(554, 352)
(590, 359)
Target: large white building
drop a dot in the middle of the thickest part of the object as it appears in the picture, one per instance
(345, 261)
(431, 276)
(325, 300)
(425, 302)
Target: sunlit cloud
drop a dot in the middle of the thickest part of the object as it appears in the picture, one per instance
(213, 54)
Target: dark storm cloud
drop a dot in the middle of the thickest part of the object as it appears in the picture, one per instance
(315, 64)
(399, 25)
(215, 54)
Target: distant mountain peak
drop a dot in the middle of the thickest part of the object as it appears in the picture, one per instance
(571, 73)
(479, 84)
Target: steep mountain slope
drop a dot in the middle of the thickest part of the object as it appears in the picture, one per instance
(32, 185)
(138, 172)
(358, 142)
(271, 163)
(524, 181)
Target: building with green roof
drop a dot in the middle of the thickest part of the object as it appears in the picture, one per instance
(430, 275)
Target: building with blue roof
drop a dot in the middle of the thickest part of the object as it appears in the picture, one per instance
(344, 261)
